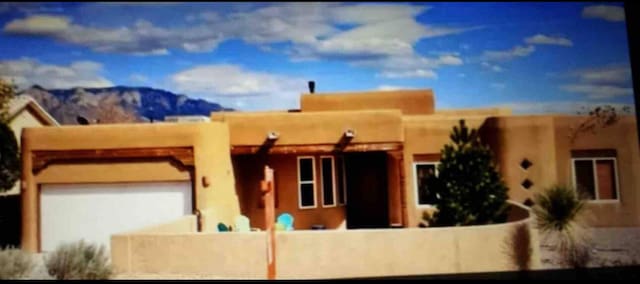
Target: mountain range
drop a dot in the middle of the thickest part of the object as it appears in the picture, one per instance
(117, 104)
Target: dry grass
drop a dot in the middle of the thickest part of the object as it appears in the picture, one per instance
(79, 261)
(15, 264)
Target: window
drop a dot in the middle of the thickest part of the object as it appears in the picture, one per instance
(342, 182)
(596, 178)
(422, 171)
(328, 181)
(306, 184)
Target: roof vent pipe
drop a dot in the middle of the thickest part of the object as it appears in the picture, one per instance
(312, 87)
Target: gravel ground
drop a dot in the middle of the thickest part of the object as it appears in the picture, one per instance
(609, 247)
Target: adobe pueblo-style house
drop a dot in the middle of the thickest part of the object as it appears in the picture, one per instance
(341, 161)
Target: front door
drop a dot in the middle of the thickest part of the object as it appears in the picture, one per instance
(367, 195)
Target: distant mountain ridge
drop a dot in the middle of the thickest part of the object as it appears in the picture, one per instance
(118, 104)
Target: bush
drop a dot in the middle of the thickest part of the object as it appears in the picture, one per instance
(468, 189)
(15, 264)
(10, 158)
(560, 215)
(79, 261)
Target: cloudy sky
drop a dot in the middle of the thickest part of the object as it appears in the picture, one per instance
(533, 57)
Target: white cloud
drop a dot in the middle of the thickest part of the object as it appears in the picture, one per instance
(138, 78)
(492, 67)
(560, 107)
(498, 86)
(226, 83)
(550, 40)
(594, 91)
(39, 25)
(610, 74)
(393, 88)
(606, 12)
(503, 55)
(419, 73)
(361, 34)
(26, 72)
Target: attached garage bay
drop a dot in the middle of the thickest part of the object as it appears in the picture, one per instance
(93, 212)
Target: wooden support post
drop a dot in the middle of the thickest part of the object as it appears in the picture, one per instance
(266, 187)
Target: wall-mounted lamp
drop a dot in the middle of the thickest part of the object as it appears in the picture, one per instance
(349, 133)
(272, 135)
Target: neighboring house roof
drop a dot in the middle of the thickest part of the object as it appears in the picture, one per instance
(23, 101)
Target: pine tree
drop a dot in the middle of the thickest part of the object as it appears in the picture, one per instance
(9, 153)
(468, 189)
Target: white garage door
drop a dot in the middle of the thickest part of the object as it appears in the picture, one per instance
(93, 212)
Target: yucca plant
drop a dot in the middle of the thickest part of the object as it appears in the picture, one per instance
(15, 264)
(79, 260)
(560, 216)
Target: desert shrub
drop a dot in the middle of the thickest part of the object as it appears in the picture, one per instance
(15, 264)
(468, 189)
(560, 216)
(79, 260)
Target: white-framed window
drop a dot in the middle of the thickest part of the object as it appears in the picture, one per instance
(421, 171)
(341, 180)
(596, 178)
(328, 175)
(306, 182)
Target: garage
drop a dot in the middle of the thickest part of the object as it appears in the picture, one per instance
(93, 212)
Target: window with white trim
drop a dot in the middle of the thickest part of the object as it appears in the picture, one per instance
(421, 172)
(596, 178)
(328, 174)
(342, 181)
(306, 182)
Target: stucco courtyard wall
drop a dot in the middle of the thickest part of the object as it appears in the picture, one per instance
(317, 254)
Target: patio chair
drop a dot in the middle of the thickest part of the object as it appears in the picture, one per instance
(242, 224)
(287, 220)
(222, 227)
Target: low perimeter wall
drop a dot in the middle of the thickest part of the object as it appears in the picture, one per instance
(332, 253)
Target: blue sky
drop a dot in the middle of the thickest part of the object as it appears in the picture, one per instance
(532, 57)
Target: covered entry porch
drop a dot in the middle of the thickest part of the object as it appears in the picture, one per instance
(325, 189)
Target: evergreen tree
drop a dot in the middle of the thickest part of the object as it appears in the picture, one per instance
(9, 154)
(468, 189)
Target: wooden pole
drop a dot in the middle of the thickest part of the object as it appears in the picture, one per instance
(266, 187)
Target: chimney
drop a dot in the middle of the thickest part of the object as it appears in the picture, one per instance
(312, 86)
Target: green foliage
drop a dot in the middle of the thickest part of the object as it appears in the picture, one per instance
(468, 189)
(9, 158)
(15, 264)
(7, 93)
(560, 214)
(79, 260)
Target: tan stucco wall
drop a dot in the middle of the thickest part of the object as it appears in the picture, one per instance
(413, 251)
(621, 136)
(209, 142)
(186, 224)
(544, 141)
(249, 173)
(513, 139)
(408, 101)
(461, 112)
(426, 135)
(216, 255)
(22, 119)
(332, 253)
(313, 128)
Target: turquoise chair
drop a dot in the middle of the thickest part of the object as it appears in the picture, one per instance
(287, 220)
(222, 227)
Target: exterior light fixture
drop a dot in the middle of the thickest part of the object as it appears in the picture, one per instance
(349, 133)
(272, 135)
